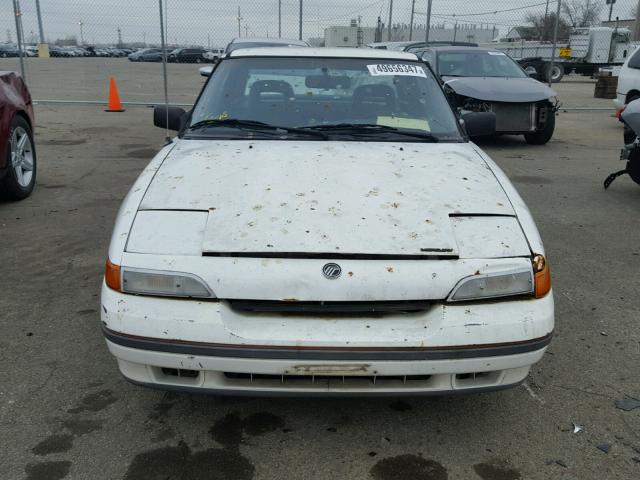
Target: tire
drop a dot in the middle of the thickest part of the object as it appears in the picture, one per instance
(198, 60)
(554, 74)
(19, 181)
(530, 68)
(541, 137)
(629, 135)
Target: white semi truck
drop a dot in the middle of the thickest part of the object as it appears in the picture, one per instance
(588, 50)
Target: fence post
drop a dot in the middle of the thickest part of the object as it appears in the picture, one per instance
(164, 66)
(300, 23)
(413, 9)
(426, 38)
(390, 20)
(555, 42)
(279, 18)
(17, 13)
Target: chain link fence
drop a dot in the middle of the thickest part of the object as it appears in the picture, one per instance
(69, 49)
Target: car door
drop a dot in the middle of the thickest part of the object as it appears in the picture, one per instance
(629, 79)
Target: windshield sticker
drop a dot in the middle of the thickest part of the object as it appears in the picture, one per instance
(396, 69)
(496, 53)
(400, 122)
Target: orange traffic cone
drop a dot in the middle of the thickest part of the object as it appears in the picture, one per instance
(114, 98)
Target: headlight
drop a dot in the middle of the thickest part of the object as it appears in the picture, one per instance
(170, 284)
(155, 282)
(493, 285)
(535, 282)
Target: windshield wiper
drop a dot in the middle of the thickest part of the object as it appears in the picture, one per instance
(252, 125)
(370, 128)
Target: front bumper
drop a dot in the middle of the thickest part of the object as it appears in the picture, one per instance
(267, 376)
(207, 346)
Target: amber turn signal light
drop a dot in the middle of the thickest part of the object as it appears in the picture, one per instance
(542, 276)
(112, 275)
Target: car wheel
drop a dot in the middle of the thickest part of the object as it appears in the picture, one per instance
(541, 137)
(20, 179)
(4, 55)
(555, 73)
(530, 68)
(198, 60)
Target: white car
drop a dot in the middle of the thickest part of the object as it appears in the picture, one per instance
(213, 55)
(628, 81)
(321, 224)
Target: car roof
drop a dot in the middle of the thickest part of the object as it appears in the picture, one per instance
(284, 41)
(323, 52)
(390, 45)
(454, 48)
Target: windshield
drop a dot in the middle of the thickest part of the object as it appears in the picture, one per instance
(325, 93)
(478, 64)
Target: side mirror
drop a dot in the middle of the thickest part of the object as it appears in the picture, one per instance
(172, 118)
(206, 71)
(478, 124)
(534, 75)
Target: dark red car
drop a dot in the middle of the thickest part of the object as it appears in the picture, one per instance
(17, 149)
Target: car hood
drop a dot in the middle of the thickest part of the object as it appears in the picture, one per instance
(328, 197)
(492, 89)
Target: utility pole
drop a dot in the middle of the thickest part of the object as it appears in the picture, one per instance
(413, 10)
(426, 36)
(40, 29)
(300, 23)
(390, 19)
(239, 23)
(246, 30)
(279, 18)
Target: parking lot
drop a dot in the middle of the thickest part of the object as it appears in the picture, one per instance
(67, 413)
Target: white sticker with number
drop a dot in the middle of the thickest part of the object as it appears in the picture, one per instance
(397, 69)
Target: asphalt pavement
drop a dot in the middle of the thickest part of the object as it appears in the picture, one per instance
(67, 413)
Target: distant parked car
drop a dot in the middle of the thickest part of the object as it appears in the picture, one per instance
(213, 55)
(17, 149)
(186, 55)
(137, 56)
(8, 50)
(484, 80)
(31, 51)
(628, 88)
(237, 43)
(58, 52)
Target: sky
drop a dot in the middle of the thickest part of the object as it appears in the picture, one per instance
(214, 22)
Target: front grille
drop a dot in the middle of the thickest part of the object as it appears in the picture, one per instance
(514, 117)
(301, 380)
(329, 308)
